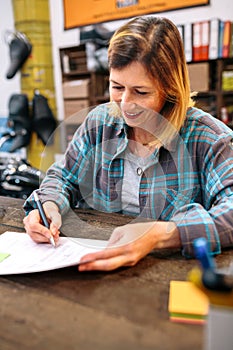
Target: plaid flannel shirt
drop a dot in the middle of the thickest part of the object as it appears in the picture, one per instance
(188, 181)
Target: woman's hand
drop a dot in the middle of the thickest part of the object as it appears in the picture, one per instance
(35, 228)
(130, 243)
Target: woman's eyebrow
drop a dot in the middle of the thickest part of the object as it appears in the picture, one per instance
(115, 82)
(135, 87)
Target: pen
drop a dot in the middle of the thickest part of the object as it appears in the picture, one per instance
(211, 278)
(202, 253)
(43, 216)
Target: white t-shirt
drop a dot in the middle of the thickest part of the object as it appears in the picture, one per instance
(134, 167)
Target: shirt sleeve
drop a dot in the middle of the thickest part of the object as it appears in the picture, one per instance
(62, 182)
(213, 218)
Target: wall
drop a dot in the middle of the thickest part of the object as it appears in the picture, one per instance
(61, 38)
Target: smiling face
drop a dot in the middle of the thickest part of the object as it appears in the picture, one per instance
(136, 92)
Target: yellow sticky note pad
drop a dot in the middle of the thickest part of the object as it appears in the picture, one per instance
(3, 256)
(187, 303)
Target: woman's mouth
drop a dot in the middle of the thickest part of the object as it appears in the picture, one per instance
(132, 115)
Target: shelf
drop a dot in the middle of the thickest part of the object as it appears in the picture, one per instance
(80, 95)
(102, 98)
(206, 74)
(226, 93)
(205, 94)
(224, 59)
(75, 73)
(215, 99)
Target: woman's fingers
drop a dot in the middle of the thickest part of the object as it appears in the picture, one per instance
(108, 259)
(105, 264)
(52, 213)
(37, 231)
(127, 245)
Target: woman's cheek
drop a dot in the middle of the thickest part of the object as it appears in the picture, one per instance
(115, 96)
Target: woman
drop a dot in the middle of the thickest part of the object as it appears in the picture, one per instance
(149, 153)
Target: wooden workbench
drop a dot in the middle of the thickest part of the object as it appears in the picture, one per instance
(67, 310)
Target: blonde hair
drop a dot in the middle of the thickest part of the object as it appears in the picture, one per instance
(156, 43)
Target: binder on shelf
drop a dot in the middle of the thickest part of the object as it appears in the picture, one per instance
(205, 39)
(214, 38)
(220, 39)
(180, 27)
(196, 47)
(188, 41)
(226, 39)
(231, 41)
(201, 41)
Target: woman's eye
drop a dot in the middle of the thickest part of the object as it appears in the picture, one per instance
(117, 87)
(141, 92)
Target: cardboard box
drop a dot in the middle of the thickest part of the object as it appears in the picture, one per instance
(75, 111)
(76, 88)
(199, 76)
(73, 107)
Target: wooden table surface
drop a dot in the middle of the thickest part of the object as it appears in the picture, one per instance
(122, 310)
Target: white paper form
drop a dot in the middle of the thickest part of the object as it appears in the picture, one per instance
(26, 256)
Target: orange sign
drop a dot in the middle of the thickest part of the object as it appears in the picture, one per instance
(78, 13)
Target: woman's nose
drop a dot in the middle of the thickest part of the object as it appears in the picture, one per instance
(126, 97)
(127, 103)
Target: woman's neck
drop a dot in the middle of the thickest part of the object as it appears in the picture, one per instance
(142, 142)
(142, 136)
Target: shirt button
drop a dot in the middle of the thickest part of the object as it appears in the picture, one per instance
(143, 201)
(139, 171)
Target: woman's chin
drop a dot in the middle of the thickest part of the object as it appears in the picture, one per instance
(133, 119)
(133, 123)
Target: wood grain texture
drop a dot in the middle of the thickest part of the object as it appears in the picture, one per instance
(65, 309)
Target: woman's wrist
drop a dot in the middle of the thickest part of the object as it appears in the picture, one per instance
(166, 235)
(50, 205)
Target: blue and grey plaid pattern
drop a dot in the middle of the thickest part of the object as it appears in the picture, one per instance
(188, 180)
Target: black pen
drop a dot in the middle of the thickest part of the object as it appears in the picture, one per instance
(43, 216)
